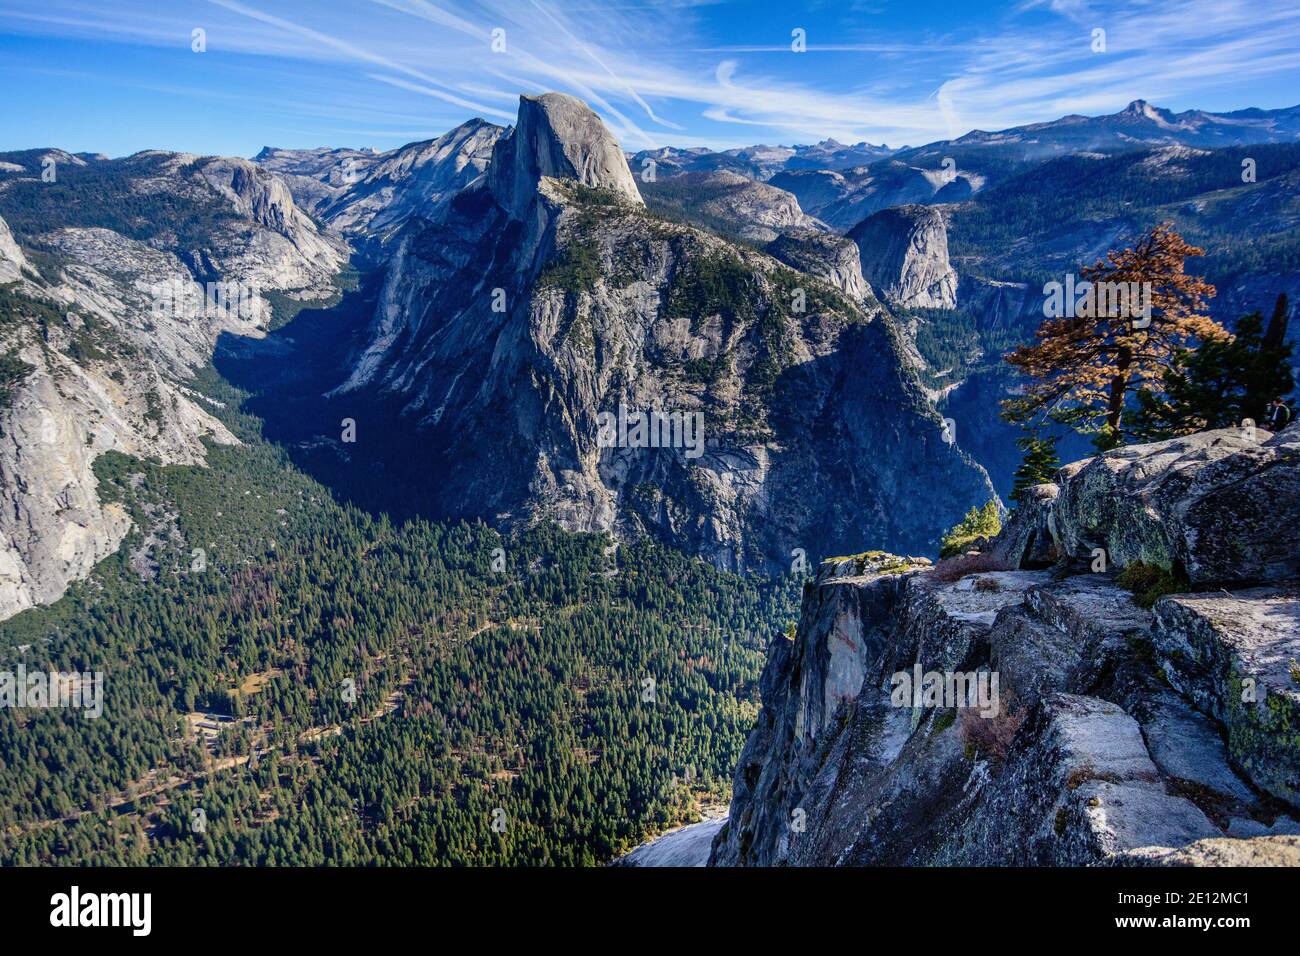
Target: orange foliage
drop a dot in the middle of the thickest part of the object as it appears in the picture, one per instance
(1083, 367)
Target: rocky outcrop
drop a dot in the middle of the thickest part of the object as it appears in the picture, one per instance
(825, 256)
(825, 191)
(1117, 734)
(1208, 506)
(58, 422)
(151, 297)
(1079, 788)
(844, 199)
(904, 253)
(1235, 656)
(271, 244)
(317, 176)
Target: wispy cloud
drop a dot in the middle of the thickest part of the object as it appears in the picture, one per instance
(353, 51)
(666, 72)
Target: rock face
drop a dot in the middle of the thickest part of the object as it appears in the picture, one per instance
(317, 176)
(1081, 789)
(418, 179)
(507, 330)
(1235, 657)
(113, 325)
(63, 417)
(12, 260)
(272, 244)
(845, 198)
(368, 197)
(905, 257)
(557, 136)
(1116, 734)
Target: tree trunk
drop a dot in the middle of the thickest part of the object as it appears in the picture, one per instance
(1118, 389)
(1275, 334)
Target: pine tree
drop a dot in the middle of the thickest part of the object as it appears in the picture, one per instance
(983, 522)
(1040, 462)
(1221, 384)
(1084, 367)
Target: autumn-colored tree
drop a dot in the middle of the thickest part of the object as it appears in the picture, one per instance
(1141, 308)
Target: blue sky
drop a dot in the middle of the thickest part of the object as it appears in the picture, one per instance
(116, 76)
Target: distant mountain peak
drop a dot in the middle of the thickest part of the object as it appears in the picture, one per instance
(1142, 110)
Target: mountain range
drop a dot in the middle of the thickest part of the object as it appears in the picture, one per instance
(823, 308)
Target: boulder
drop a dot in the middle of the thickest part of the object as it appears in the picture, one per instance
(1209, 505)
(1235, 657)
(1028, 538)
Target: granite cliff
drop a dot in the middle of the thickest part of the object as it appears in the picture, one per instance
(143, 262)
(1142, 617)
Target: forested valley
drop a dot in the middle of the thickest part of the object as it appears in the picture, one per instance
(290, 679)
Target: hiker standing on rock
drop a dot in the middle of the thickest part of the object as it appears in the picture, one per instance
(1277, 415)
